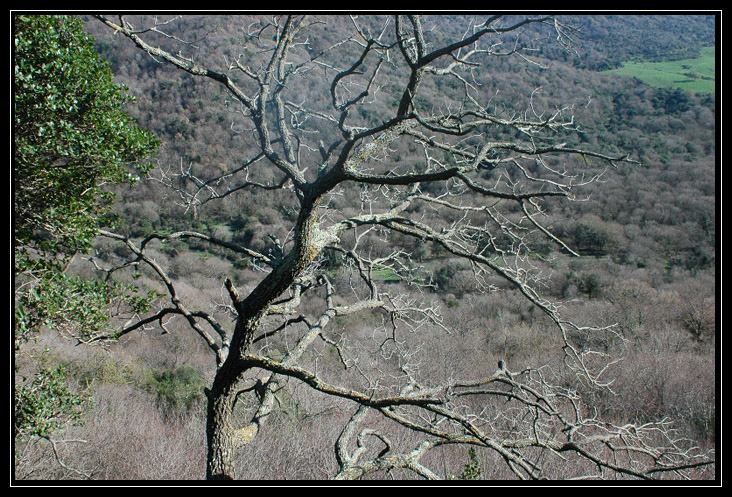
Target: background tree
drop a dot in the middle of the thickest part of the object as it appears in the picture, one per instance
(72, 139)
(406, 137)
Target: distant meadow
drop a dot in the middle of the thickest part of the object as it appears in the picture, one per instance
(696, 75)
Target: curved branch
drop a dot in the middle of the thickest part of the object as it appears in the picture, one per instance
(221, 350)
(311, 379)
(255, 105)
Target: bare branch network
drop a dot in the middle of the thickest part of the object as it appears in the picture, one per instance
(397, 129)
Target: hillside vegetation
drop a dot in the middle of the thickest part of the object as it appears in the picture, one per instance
(646, 235)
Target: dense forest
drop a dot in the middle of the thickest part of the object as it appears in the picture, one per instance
(645, 233)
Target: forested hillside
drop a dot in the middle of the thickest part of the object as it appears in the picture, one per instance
(638, 250)
(669, 131)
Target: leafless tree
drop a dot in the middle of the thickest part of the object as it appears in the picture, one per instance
(483, 173)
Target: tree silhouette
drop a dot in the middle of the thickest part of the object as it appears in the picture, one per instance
(388, 122)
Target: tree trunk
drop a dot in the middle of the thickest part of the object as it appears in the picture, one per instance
(219, 426)
(222, 436)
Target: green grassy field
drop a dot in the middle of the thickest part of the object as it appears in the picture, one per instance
(696, 75)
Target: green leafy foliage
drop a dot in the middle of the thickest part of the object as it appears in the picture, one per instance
(72, 135)
(76, 305)
(44, 404)
(179, 388)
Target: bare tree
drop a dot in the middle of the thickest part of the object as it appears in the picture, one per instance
(483, 173)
